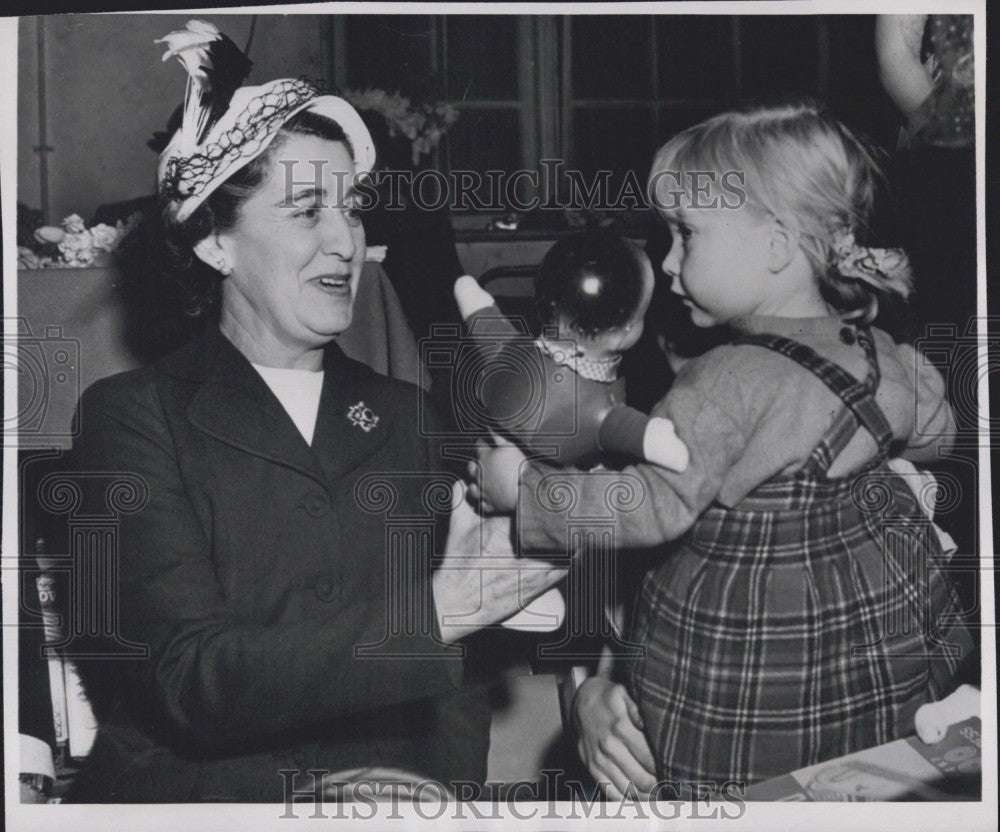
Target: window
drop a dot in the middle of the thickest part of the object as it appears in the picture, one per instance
(599, 92)
(468, 61)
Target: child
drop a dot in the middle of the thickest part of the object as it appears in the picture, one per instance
(564, 396)
(796, 620)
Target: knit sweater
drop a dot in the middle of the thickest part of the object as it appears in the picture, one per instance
(746, 414)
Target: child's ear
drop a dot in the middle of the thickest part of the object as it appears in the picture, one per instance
(784, 244)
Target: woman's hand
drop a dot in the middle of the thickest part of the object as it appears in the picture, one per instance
(495, 477)
(481, 582)
(611, 741)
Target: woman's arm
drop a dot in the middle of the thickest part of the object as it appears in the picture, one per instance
(470, 595)
(609, 729)
(610, 740)
(211, 680)
(897, 47)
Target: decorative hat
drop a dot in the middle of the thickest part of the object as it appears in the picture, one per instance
(225, 126)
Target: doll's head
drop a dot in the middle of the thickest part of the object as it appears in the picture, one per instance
(792, 170)
(595, 287)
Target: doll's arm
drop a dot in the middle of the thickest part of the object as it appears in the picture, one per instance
(470, 296)
(479, 311)
(653, 438)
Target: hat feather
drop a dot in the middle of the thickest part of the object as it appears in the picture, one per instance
(215, 66)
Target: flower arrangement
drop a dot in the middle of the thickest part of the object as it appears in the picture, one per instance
(70, 244)
(423, 124)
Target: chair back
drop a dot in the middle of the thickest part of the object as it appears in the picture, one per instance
(513, 287)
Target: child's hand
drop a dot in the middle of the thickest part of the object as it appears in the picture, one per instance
(495, 476)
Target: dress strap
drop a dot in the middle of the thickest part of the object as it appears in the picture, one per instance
(857, 396)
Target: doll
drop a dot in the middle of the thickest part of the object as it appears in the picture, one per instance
(560, 394)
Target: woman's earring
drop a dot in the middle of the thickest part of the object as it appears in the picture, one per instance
(224, 268)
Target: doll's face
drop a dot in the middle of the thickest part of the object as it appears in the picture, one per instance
(634, 326)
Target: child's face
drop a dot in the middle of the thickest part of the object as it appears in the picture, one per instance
(718, 262)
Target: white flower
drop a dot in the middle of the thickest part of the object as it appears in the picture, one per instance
(74, 224)
(105, 237)
(423, 126)
(27, 259)
(49, 234)
(77, 249)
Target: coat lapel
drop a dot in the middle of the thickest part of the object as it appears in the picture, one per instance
(353, 421)
(233, 404)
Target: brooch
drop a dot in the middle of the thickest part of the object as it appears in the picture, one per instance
(361, 416)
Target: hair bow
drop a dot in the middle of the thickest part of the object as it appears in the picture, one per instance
(885, 269)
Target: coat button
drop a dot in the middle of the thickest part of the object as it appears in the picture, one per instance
(324, 591)
(847, 335)
(316, 503)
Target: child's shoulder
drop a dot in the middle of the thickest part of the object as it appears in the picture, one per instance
(732, 359)
(731, 374)
(906, 365)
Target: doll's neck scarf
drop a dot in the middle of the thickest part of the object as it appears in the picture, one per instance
(594, 369)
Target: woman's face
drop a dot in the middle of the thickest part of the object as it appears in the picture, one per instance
(295, 254)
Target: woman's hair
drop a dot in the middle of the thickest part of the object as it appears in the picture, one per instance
(794, 162)
(592, 282)
(198, 282)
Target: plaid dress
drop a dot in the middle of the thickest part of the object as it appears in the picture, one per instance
(802, 624)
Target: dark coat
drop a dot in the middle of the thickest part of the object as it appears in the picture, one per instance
(252, 572)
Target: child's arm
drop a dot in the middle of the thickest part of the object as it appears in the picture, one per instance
(647, 504)
(934, 422)
(629, 431)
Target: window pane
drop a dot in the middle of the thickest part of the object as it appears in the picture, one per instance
(481, 54)
(673, 119)
(695, 56)
(391, 52)
(485, 139)
(615, 139)
(611, 57)
(779, 55)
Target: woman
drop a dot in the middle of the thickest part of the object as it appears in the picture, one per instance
(255, 563)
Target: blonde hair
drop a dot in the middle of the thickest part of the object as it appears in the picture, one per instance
(803, 167)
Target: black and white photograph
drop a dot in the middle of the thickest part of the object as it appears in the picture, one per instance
(449, 415)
